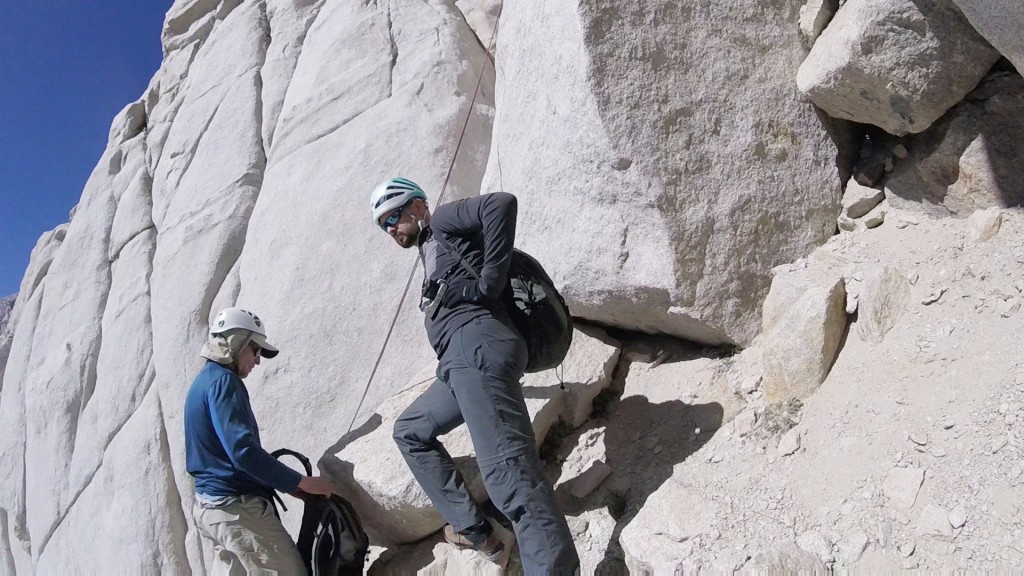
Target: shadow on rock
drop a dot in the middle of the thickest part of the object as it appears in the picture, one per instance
(644, 442)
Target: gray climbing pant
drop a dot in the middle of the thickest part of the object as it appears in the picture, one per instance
(479, 384)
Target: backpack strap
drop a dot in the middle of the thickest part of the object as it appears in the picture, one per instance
(302, 460)
(451, 252)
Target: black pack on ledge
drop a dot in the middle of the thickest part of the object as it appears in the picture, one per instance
(331, 540)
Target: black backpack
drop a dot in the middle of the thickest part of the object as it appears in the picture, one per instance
(539, 312)
(331, 538)
(536, 308)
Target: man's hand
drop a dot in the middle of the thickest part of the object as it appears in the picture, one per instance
(315, 485)
(463, 290)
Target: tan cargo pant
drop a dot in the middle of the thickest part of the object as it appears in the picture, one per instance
(248, 538)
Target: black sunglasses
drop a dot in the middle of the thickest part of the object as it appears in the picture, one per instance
(392, 219)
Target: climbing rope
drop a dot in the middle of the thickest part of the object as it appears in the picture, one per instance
(440, 198)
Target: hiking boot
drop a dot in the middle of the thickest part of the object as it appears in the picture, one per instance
(493, 549)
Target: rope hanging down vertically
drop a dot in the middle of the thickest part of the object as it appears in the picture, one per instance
(412, 273)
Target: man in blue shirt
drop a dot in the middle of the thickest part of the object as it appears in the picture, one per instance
(235, 477)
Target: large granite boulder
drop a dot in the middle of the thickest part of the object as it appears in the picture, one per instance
(1000, 22)
(661, 175)
(970, 159)
(897, 64)
(804, 322)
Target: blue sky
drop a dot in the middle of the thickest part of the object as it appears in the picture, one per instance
(66, 68)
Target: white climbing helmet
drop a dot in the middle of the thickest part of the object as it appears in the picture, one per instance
(235, 318)
(393, 193)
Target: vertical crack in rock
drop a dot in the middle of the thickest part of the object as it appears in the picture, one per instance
(87, 373)
(178, 518)
(300, 43)
(191, 153)
(19, 530)
(7, 558)
(394, 51)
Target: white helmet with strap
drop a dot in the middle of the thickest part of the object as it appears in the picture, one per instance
(234, 318)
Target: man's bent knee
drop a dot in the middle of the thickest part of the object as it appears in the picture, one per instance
(410, 432)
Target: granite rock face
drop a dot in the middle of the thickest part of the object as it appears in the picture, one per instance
(672, 154)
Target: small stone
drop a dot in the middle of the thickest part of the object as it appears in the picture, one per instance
(745, 422)
(907, 550)
(947, 424)
(859, 200)
(933, 296)
(899, 151)
(934, 523)
(984, 224)
(790, 443)
(876, 217)
(716, 458)
(852, 302)
(938, 452)
(910, 564)
(1010, 307)
(913, 277)
(919, 438)
(998, 444)
(750, 384)
(957, 517)
(816, 543)
(847, 224)
(851, 547)
(902, 485)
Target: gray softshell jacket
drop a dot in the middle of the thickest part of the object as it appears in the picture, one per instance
(482, 231)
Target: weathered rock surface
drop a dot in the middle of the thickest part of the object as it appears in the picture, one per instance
(587, 466)
(660, 536)
(984, 224)
(999, 21)
(785, 558)
(884, 295)
(966, 161)
(804, 320)
(592, 532)
(680, 170)
(371, 472)
(897, 64)
(858, 200)
(815, 16)
(482, 16)
(902, 485)
(6, 333)
(271, 101)
(240, 176)
(816, 543)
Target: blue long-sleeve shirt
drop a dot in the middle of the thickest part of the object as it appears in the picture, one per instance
(222, 441)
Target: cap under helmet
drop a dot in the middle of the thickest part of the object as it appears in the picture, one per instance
(238, 319)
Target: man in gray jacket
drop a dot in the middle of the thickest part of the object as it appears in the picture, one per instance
(482, 358)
